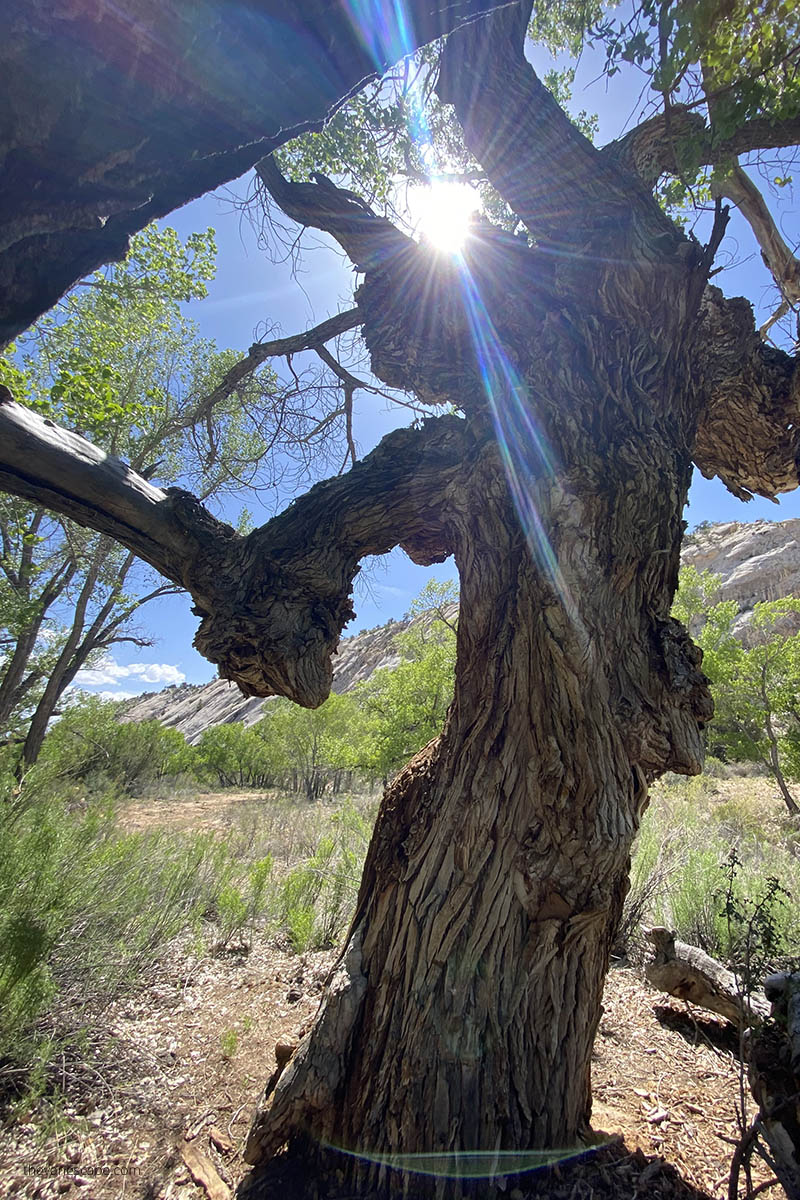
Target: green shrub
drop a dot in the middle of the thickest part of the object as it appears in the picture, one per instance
(239, 906)
(93, 750)
(681, 867)
(234, 755)
(319, 895)
(85, 911)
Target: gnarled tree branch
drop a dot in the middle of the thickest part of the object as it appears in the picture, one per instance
(367, 239)
(419, 309)
(273, 604)
(288, 588)
(736, 185)
(58, 469)
(662, 142)
(680, 136)
(558, 184)
(749, 434)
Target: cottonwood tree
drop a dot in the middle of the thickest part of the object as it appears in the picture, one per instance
(754, 673)
(404, 706)
(590, 365)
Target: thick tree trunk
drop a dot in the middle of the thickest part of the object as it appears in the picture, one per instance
(462, 1017)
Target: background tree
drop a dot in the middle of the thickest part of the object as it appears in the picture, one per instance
(755, 676)
(314, 743)
(405, 706)
(92, 748)
(122, 363)
(587, 364)
(236, 755)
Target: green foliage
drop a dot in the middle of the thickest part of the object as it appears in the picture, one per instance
(739, 60)
(716, 872)
(315, 742)
(239, 907)
(91, 748)
(562, 25)
(364, 142)
(120, 362)
(318, 895)
(745, 54)
(405, 706)
(85, 910)
(560, 84)
(397, 134)
(229, 1042)
(236, 755)
(754, 923)
(755, 678)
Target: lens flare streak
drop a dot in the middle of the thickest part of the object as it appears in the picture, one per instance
(524, 451)
(471, 1164)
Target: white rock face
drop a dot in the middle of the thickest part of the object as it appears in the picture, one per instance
(191, 709)
(757, 561)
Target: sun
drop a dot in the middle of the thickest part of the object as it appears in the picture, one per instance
(442, 211)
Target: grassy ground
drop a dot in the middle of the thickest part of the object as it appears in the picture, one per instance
(718, 860)
(106, 910)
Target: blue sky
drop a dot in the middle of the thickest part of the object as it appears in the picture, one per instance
(249, 290)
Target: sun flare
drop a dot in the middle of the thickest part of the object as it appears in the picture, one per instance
(442, 212)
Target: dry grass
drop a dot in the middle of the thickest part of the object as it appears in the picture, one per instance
(188, 1054)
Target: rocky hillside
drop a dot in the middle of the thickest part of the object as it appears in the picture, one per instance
(193, 708)
(756, 561)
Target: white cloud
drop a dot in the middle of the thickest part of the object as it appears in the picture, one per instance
(109, 673)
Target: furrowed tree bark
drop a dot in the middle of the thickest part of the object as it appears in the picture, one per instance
(462, 1015)
(115, 114)
(749, 433)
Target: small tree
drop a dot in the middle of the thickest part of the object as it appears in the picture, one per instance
(755, 677)
(313, 742)
(405, 706)
(121, 363)
(237, 756)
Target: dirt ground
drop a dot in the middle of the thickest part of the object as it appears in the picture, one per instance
(167, 1099)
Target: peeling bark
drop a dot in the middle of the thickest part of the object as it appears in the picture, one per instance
(749, 434)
